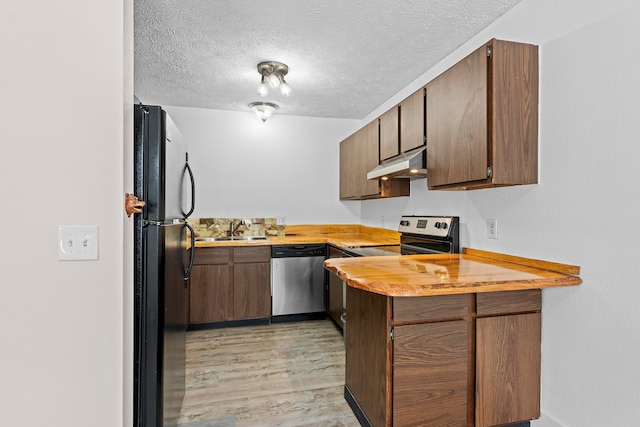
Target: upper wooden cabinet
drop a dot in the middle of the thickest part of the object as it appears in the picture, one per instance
(412, 120)
(402, 127)
(390, 133)
(359, 153)
(482, 119)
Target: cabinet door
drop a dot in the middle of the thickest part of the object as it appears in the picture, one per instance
(251, 291)
(390, 133)
(431, 374)
(507, 369)
(210, 293)
(367, 154)
(412, 120)
(251, 283)
(348, 188)
(457, 139)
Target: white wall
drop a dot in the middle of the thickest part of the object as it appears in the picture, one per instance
(584, 210)
(64, 79)
(287, 166)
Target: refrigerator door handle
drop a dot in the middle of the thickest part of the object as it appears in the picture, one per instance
(187, 169)
(187, 272)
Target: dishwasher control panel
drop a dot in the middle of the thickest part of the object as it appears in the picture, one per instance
(295, 251)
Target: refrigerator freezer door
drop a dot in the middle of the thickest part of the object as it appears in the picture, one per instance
(162, 179)
(161, 326)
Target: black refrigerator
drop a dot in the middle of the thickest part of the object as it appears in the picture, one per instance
(164, 181)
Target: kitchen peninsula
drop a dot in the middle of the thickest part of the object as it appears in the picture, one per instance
(447, 340)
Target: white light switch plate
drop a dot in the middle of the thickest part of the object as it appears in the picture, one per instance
(77, 242)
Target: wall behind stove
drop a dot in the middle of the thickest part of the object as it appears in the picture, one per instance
(584, 210)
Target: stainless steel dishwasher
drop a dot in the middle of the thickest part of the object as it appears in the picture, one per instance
(298, 280)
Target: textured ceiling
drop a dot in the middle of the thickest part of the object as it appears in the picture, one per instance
(345, 58)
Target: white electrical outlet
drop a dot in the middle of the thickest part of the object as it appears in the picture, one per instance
(77, 242)
(281, 220)
(492, 228)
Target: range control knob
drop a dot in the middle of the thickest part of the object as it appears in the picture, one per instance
(437, 225)
(404, 223)
(443, 225)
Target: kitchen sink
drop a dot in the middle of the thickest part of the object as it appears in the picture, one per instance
(230, 238)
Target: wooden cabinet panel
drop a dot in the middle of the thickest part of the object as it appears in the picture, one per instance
(367, 156)
(514, 112)
(367, 348)
(390, 133)
(492, 303)
(482, 119)
(412, 120)
(212, 255)
(348, 187)
(210, 293)
(252, 254)
(431, 374)
(507, 369)
(335, 290)
(251, 291)
(421, 309)
(457, 122)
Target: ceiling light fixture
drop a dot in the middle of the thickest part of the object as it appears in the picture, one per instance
(263, 110)
(273, 73)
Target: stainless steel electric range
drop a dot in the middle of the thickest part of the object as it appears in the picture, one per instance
(418, 235)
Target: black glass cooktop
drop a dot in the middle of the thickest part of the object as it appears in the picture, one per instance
(384, 250)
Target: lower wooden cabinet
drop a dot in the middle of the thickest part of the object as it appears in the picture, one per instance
(335, 290)
(230, 284)
(451, 360)
(251, 283)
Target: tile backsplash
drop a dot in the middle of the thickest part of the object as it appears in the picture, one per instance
(218, 227)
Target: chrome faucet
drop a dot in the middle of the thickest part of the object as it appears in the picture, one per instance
(233, 228)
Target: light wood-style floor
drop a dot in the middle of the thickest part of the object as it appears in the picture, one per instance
(284, 374)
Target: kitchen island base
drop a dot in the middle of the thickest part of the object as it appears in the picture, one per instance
(446, 339)
(446, 360)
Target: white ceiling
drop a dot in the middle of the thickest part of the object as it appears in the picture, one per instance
(345, 58)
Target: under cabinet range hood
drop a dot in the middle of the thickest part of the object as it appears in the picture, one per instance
(412, 164)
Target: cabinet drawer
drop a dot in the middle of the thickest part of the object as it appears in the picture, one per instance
(252, 254)
(422, 309)
(508, 302)
(212, 255)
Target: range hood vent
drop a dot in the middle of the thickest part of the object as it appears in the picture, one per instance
(412, 164)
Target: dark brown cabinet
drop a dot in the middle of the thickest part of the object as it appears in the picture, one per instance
(412, 120)
(450, 360)
(210, 291)
(230, 284)
(390, 133)
(482, 119)
(251, 282)
(402, 127)
(335, 290)
(359, 153)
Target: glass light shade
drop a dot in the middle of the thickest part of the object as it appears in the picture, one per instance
(263, 89)
(263, 110)
(285, 89)
(273, 80)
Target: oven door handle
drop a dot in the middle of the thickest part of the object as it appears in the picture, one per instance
(416, 250)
